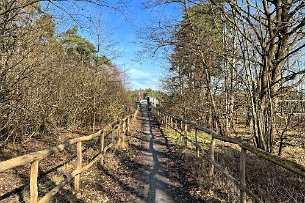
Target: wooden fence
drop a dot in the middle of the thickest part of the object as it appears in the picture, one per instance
(183, 126)
(121, 127)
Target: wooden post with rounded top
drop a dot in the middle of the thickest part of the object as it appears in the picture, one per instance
(78, 166)
(102, 142)
(33, 182)
(243, 197)
(212, 155)
(196, 140)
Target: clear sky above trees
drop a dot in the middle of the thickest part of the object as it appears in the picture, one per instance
(119, 30)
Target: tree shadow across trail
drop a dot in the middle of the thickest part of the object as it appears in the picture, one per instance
(167, 178)
(148, 171)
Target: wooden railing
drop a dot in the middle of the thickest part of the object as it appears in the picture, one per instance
(183, 127)
(120, 127)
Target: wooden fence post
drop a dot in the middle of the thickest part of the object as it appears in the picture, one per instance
(102, 147)
(119, 132)
(243, 197)
(79, 166)
(171, 120)
(181, 131)
(127, 124)
(212, 155)
(124, 130)
(33, 182)
(112, 134)
(185, 134)
(168, 121)
(135, 114)
(196, 140)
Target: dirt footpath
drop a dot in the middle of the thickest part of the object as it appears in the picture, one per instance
(164, 173)
(149, 170)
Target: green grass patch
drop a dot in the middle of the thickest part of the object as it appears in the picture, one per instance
(57, 179)
(175, 138)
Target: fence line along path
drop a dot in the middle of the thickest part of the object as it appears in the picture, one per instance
(119, 127)
(183, 127)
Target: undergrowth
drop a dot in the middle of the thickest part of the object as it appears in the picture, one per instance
(269, 182)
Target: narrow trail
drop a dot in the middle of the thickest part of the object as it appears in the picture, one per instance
(165, 173)
(150, 170)
(159, 187)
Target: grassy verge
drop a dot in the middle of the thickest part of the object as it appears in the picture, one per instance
(269, 182)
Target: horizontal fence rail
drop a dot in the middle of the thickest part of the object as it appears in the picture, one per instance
(181, 126)
(120, 128)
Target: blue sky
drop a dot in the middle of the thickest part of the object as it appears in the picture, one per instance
(119, 35)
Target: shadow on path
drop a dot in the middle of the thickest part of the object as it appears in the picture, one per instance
(165, 184)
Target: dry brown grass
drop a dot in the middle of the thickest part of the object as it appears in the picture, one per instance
(268, 181)
(14, 184)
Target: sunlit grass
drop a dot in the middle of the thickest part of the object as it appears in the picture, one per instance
(175, 138)
(56, 178)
